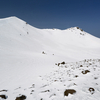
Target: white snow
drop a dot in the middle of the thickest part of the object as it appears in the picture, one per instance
(28, 56)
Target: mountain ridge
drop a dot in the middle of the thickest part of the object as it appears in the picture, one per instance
(26, 35)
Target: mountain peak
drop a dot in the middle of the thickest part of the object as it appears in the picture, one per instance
(79, 28)
(74, 28)
(9, 18)
(12, 20)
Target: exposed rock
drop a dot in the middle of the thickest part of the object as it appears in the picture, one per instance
(23, 97)
(3, 90)
(92, 90)
(69, 91)
(3, 96)
(43, 52)
(76, 76)
(81, 65)
(85, 71)
(58, 64)
(63, 63)
(46, 91)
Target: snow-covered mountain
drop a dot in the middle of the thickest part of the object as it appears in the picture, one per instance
(42, 63)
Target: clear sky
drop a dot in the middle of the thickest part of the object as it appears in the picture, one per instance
(61, 14)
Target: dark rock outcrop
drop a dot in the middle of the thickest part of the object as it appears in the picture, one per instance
(23, 97)
(3, 96)
(69, 91)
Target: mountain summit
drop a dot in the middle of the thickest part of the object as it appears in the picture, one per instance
(35, 62)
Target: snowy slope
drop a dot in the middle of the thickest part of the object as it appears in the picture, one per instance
(28, 56)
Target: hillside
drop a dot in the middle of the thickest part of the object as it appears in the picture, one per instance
(30, 62)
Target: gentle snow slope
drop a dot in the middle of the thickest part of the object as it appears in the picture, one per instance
(27, 52)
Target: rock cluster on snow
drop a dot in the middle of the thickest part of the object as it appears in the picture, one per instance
(66, 82)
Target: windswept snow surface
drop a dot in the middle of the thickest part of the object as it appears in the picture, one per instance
(30, 62)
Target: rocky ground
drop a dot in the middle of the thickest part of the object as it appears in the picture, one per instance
(68, 81)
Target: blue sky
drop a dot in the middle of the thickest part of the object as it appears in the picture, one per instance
(61, 14)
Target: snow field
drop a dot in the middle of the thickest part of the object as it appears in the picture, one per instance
(29, 60)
